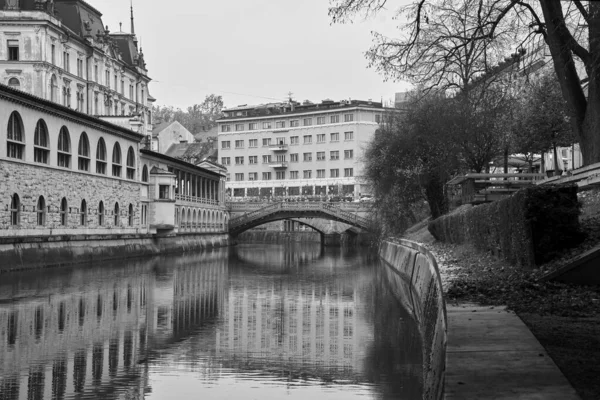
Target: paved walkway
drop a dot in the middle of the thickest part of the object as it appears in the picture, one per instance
(491, 354)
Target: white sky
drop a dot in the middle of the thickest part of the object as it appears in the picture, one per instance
(251, 51)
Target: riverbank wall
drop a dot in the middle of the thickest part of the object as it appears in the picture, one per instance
(414, 271)
(51, 251)
(328, 239)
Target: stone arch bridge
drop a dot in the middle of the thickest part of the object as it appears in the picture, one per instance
(245, 216)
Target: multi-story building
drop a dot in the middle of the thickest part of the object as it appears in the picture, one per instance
(291, 149)
(60, 50)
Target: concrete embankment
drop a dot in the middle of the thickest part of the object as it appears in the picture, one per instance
(38, 252)
(414, 271)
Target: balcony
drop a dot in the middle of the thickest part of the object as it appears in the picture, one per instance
(278, 147)
(278, 164)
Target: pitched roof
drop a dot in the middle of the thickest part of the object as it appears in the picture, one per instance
(191, 151)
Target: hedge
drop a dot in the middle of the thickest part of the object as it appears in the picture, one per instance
(529, 228)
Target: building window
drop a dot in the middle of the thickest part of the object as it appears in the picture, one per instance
(225, 128)
(320, 156)
(348, 154)
(64, 212)
(239, 144)
(267, 125)
(334, 173)
(53, 89)
(83, 151)
(79, 67)
(348, 117)
(320, 120)
(253, 176)
(252, 126)
(280, 124)
(294, 140)
(131, 92)
(239, 176)
(66, 62)
(101, 213)
(266, 142)
(53, 54)
(101, 157)
(266, 159)
(64, 148)
(130, 215)
(295, 123)
(228, 178)
(144, 221)
(307, 121)
(252, 159)
(130, 163)
(280, 175)
(116, 87)
(321, 138)
(239, 127)
(348, 172)
(15, 146)
(15, 210)
(334, 155)
(226, 160)
(307, 174)
(239, 160)
(266, 176)
(14, 83)
(41, 211)
(335, 137)
(145, 174)
(116, 212)
(253, 143)
(320, 173)
(348, 135)
(293, 174)
(294, 157)
(307, 139)
(163, 192)
(307, 157)
(116, 160)
(226, 145)
(334, 119)
(13, 50)
(83, 213)
(122, 87)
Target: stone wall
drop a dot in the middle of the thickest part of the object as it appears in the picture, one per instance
(30, 182)
(29, 253)
(277, 237)
(414, 275)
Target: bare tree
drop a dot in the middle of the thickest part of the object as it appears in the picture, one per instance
(426, 51)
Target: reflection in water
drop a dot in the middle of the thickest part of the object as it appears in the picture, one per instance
(264, 321)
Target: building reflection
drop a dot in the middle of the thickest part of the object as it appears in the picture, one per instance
(73, 332)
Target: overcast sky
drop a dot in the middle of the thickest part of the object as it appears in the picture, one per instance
(251, 51)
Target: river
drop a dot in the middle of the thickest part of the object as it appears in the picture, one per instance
(293, 321)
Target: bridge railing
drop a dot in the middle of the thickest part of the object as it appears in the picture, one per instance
(329, 208)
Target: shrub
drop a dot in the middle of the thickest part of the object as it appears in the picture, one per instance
(529, 228)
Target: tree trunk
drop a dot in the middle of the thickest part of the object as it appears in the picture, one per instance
(555, 158)
(506, 160)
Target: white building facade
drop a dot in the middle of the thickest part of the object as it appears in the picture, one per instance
(288, 149)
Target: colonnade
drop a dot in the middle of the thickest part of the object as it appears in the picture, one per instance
(197, 188)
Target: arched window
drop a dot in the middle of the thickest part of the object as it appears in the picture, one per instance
(15, 137)
(15, 210)
(53, 89)
(130, 215)
(83, 213)
(101, 157)
(64, 212)
(194, 220)
(130, 163)
(41, 151)
(83, 151)
(14, 83)
(41, 211)
(64, 148)
(116, 160)
(101, 213)
(145, 174)
(116, 212)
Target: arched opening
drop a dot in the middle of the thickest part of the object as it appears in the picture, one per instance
(14, 83)
(194, 220)
(203, 220)
(15, 137)
(145, 174)
(130, 215)
(101, 213)
(116, 214)
(101, 157)
(64, 212)
(15, 210)
(130, 173)
(41, 150)
(189, 219)
(83, 152)
(116, 160)
(64, 148)
(83, 213)
(41, 211)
